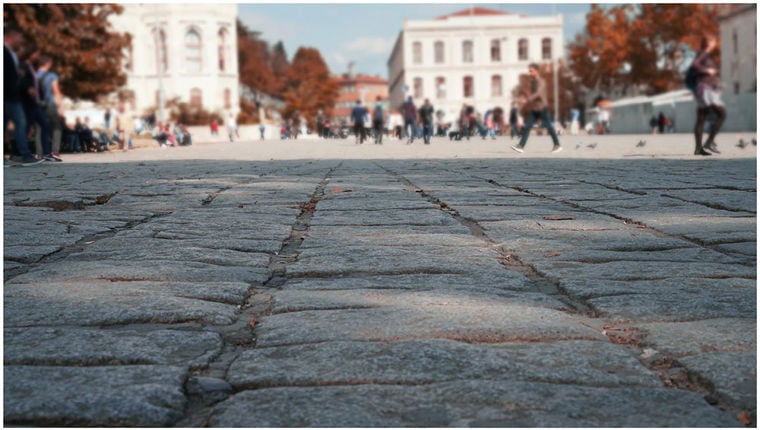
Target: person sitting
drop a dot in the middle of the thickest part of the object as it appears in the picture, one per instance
(70, 138)
(181, 135)
(160, 136)
(86, 137)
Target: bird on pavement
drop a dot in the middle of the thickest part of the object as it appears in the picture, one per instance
(742, 144)
(591, 145)
(641, 144)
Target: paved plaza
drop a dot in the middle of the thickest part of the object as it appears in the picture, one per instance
(327, 284)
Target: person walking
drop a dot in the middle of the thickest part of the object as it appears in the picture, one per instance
(426, 119)
(53, 99)
(34, 105)
(232, 128)
(409, 112)
(13, 110)
(357, 116)
(708, 96)
(539, 109)
(378, 121)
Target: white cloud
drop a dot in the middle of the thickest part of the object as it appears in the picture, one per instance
(367, 46)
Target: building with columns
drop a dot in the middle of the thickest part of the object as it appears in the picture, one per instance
(474, 56)
(183, 50)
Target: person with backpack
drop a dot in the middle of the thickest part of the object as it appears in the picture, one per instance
(537, 107)
(357, 117)
(708, 95)
(426, 118)
(409, 112)
(378, 121)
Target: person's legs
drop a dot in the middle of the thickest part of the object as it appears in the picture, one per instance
(530, 119)
(720, 117)
(14, 112)
(698, 130)
(549, 127)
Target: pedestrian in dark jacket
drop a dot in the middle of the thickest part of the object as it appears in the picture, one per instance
(13, 110)
(538, 109)
(708, 96)
(409, 112)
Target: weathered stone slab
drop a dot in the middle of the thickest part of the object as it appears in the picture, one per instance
(168, 251)
(120, 396)
(732, 374)
(480, 322)
(104, 302)
(388, 260)
(157, 271)
(696, 337)
(622, 270)
(291, 300)
(475, 403)
(28, 253)
(500, 282)
(383, 217)
(416, 362)
(67, 346)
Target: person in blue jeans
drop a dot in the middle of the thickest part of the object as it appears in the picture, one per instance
(426, 118)
(539, 109)
(409, 112)
(13, 109)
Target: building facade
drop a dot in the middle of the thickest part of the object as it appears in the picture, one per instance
(474, 56)
(738, 50)
(355, 87)
(181, 51)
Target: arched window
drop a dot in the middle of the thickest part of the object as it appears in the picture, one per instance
(223, 50)
(440, 87)
(227, 98)
(418, 88)
(496, 86)
(468, 88)
(196, 98)
(467, 56)
(193, 51)
(522, 49)
(546, 48)
(417, 53)
(439, 55)
(496, 50)
(162, 60)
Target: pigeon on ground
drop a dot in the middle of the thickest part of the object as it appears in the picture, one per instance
(591, 145)
(754, 142)
(641, 144)
(742, 144)
(577, 146)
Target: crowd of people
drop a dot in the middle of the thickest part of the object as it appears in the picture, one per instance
(33, 103)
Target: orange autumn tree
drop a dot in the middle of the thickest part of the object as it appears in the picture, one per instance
(87, 54)
(647, 45)
(308, 86)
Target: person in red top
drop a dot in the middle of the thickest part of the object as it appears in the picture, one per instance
(708, 96)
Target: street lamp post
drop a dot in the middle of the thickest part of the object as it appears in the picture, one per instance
(159, 68)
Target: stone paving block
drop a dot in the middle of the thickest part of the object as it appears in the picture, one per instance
(622, 270)
(72, 346)
(388, 260)
(29, 253)
(120, 396)
(703, 336)
(383, 217)
(292, 300)
(498, 282)
(733, 375)
(158, 271)
(675, 305)
(383, 235)
(589, 288)
(109, 303)
(475, 403)
(424, 361)
(479, 322)
(154, 250)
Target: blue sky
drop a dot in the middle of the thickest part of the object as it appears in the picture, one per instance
(365, 32)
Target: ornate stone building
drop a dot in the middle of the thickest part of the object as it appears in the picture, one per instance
(474, 56)
(183, 50)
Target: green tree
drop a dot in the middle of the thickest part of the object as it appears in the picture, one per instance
(308, 86)
(86, 54)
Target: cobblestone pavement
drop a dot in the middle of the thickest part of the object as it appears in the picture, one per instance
(381, 291)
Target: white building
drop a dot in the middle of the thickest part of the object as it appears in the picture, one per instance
(738, 50)
(188, 50)
(474, 56)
